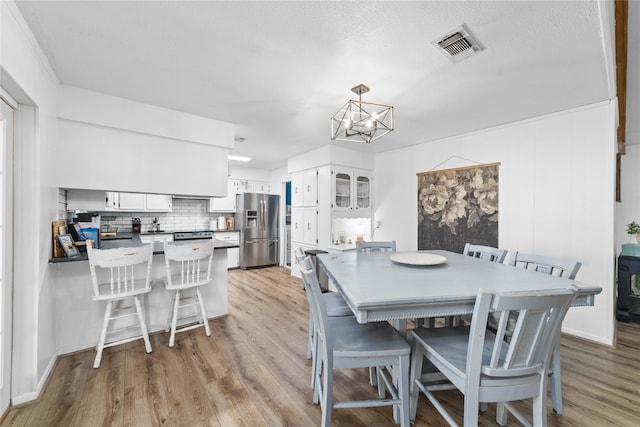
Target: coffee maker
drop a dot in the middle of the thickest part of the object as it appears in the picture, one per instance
(136, 224)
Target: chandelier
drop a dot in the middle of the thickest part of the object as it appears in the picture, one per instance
(361, 121)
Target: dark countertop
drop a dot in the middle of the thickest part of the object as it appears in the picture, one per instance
(128, 239)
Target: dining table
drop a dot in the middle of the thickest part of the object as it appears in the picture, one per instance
(398, 286)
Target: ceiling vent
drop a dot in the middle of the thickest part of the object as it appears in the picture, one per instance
(458, 44)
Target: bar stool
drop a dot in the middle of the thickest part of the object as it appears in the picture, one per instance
(194, 260)
(116, 266)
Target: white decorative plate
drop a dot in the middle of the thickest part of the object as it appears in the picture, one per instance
(418, 258)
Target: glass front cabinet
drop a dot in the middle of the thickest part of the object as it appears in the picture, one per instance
(351, 190)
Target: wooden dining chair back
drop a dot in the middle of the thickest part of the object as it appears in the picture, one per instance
(379, 246)
(566, 268)
(120, 275)
(188, 267)
(485, 252)
(344, 343)
(485, 366)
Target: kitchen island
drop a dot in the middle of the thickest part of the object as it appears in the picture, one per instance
(79, 318)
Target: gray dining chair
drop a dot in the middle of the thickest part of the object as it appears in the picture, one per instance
(485, 252)
(368, 247)
(335, 304)
(487, 367)
(562, 267)
(379, 246)
(343, 343)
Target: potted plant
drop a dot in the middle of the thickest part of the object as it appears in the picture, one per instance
(634, 229)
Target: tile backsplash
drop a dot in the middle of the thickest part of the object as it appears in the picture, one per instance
(187, 215)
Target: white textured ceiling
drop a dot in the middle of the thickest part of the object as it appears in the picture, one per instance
(280, 70)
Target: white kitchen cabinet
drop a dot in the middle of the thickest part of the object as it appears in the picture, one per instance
(225, 204)
(259, 187)
(131, 202)
(138, 202)
(158, 202)
(304, 188)
(350, 190)
(304, 226)
(233, 260)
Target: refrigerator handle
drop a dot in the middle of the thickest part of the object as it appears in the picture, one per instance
(264, 214)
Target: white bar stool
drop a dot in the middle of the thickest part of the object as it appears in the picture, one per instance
(194, 260)
(116, 267)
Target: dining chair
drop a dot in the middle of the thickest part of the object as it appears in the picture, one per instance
(344, 343)
(485, 252)
(114, 280)
(482, 252)
(562, 267)
(380, 246)
(336, 306)
(188, 267)
(486, 367)
(375, 246)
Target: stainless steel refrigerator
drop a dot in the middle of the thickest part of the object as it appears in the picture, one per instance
(257, 219)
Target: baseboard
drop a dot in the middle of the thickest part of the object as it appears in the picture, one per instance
(580, 334)
(33, 396)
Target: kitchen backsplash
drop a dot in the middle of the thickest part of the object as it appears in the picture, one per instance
(187, 215)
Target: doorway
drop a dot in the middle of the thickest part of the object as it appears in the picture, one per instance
(6, 251)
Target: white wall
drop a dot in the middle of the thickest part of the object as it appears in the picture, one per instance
(28, 78)
(105, 141)
(556, 195)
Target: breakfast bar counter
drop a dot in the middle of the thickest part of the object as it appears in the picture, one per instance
(81, 318)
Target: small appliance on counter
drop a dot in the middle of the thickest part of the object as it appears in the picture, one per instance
(136, 224)
(222, 223)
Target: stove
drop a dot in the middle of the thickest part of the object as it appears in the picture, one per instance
(192, 235)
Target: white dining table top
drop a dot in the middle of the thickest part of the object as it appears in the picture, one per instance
(376, 288)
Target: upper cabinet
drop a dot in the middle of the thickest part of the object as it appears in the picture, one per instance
(249, 186)
(159, 202)
(350, 190)
(304, 188)
(225, 204)
(138, 202)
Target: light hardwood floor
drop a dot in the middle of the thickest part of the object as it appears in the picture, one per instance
(253, 371)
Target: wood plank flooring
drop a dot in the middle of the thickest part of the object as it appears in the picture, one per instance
(253, 371)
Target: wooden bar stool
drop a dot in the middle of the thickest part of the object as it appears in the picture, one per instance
(192, 269)
(112, 275)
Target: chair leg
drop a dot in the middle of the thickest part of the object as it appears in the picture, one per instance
(556, 378)
(415, 374)
(170, 317)
(310, 340)
(103, 335)
(501, 414)
(205, 319)
(174, 319)
(143, 325)
(373, 376)
(540, 409)
(471, 409)
(326, 399)
(403, 391)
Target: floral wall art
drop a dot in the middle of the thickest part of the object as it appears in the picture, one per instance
(456, 206)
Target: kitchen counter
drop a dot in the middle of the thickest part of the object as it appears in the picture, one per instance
(128, 239)
(81, 318)
(345, 247)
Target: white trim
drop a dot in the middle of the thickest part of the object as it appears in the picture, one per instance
(580, 334)
(608, 45)
(4, 95)
(30, 397)
(32, 40)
